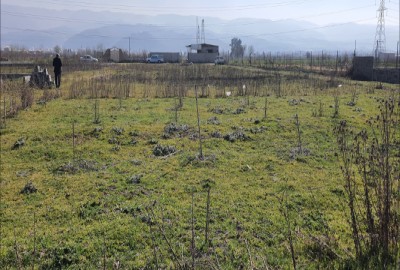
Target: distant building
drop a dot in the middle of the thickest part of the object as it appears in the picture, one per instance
(202, 53)
(114, 55)
(169, 57)
(387, 57)
(364, 70)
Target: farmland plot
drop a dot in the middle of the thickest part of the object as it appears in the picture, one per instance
(199, 167)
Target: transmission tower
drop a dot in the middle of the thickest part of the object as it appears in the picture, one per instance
(380, 36)
(203, 34)
(198, 31)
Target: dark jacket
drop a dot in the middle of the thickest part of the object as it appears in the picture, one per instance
(57, 64)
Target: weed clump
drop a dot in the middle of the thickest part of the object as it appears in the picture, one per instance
(295, 102)
(153, 141)
(118, 130)
(237, 135)
(87, 165)
(28, 189)
(27, 97)
(113, 140)
(351, 103)
(133, 142)
(116, 148)
(162, 151)
(199, 161)
(96, 132)
(89, 210)
(18, 144)
(258, 130)
(134, 133)
(173, 128)
(239, 111)
(216, 134)
(59, 258)
(136, 162)
(217, 110)
(147, 220)
(213, 121)
(77, 166)
(297, 151)
(67, 168)
(135, 179)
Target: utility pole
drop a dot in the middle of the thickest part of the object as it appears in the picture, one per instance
(398, 67)
(129, 46)
(198, 31)
(355, 48)
(380, 36)
(398, 56)
(129, 53)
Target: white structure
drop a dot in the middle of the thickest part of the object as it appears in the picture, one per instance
(115, 55)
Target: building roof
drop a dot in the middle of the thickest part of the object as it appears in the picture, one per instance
(201, 45)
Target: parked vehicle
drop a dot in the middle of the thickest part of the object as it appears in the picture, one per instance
(88, 58)
(155, 59)
(219, 60)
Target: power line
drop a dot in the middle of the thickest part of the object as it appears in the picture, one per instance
(116, 6)
(20, 14)
(91, 35)
(306, 29)
(58, 18)
(333, 12)
(167, 38)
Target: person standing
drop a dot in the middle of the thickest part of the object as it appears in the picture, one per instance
(57, 64)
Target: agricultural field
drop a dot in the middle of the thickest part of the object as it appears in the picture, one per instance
(136, 166)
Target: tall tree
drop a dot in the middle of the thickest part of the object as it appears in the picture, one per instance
(237, 49)
(57, 49)
(251, 52)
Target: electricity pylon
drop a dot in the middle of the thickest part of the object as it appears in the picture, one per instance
(380, 36)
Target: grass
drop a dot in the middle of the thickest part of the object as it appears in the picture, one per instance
(105, 200)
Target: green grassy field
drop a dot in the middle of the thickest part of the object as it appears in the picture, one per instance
(108, 197)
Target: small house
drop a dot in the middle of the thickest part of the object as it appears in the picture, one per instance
(202, 53)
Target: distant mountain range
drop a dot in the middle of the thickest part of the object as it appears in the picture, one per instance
(42, 28)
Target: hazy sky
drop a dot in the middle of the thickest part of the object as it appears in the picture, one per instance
(322, 12)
